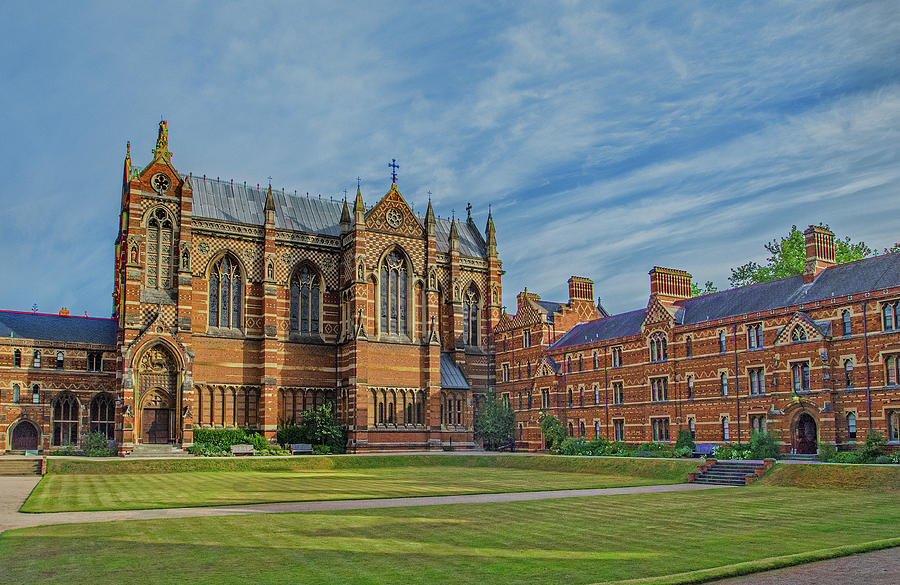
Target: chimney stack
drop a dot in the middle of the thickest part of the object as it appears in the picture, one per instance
(819, 242)
(670, 285)
(581, 289)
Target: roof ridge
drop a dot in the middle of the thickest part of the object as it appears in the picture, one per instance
(57, 315)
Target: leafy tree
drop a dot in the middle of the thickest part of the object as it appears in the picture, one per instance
(317, 427)
(553, 429)
(787, 257)
(707, 289)
(495, 422)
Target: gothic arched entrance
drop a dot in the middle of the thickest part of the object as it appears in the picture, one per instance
(804, 436)
(25, 437)
(157, 383)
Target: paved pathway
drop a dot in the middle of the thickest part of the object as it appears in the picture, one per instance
(875, 568)
(16, 490)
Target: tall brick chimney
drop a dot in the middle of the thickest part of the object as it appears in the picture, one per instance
(819, 242)
(670, 285)
(581, 289)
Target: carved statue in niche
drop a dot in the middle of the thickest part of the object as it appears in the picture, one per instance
(134, 255)
(432, 281)
(186, 413)
(359, 272)
(270, 271)
(185, 260)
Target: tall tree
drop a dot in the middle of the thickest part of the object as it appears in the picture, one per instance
(495, 422)
(787, 257)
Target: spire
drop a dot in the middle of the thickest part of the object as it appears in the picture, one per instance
(429, 219)
(454, 235)
(359, 208)
(162, 142)
(269, 209)
(345, 218)
(491, 234)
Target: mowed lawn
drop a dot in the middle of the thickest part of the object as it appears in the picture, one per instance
(149, 488)
(572, 541)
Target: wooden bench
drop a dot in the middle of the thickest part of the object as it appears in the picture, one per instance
(301, 448)
(242, 450)
(704, 448)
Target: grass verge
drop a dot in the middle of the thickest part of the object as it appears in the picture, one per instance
(834, 476)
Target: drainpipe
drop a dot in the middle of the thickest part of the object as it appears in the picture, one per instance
(606, 387)
(737, 383)
(868, 374)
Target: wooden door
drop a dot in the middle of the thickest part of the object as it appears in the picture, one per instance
(806, 435)
(24, 437)
(155, 424)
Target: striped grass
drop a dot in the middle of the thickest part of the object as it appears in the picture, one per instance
(577, 541)
(92, 486)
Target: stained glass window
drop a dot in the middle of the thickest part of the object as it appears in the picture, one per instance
(225, 294)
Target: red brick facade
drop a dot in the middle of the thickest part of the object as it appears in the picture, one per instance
(812, 370)
(232, 313)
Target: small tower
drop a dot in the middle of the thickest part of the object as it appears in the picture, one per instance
(454, 235)
(345, 219)
(359, 209)
(269, 209)
(490, 236)
(429, 220)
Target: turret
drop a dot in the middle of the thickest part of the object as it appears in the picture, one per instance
(269, 209)
(345, 219)
(491, 236)
(359, 209)
(454, 235)
(429, 219)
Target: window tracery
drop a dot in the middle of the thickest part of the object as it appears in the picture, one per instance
(471, 325)
(225, 294)
(160, 233)
(305, 301)
(394, 291)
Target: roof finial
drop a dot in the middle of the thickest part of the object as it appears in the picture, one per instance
(469, 211)
(162, 141)
(394, 166)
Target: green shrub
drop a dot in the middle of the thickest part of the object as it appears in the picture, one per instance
(683, 452)
(318, 426)
(883, 460)
(847, 457)
(495, 422)
(873, 448)
(827, 451)
(97, 445)
(684, 440)
(763, 445)
(67, 450)
(553, 429)
(731, 452)
(572, 446)
(321, 450)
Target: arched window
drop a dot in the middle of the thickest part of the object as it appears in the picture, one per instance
(721, 342)
(690, 385)
(305, 302)
(65, 420)
(688, 347)
(890, 317)
(60, 360)
(799, 334)
(16, 394)
(225, 294)
(851, 426)
(17, 359)
(658, 348)
(571, 430)
(37, 358)
(582, 429)
(35, 394)
(596, 394)
(570, 399)
(692, 426)
(848, 373)
(103, 415)
(471, 325)
(596, 430)
(723, 383)
(596, 362)
(159, 249)
(393, 295)
(725, 429)
(800, 372)
(845, 319)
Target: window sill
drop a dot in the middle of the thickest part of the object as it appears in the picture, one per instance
(298, 338)
(225, 332)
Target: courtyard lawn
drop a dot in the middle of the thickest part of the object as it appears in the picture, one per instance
(128, 485)
(573, 541)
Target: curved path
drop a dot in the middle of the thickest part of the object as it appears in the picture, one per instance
(874, 568)
(16, 490)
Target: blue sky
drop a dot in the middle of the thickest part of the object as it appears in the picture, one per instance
(608, 137)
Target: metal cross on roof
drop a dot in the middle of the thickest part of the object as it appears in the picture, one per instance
(357, 182)
(394, 166)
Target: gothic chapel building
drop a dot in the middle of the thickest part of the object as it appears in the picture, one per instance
(240, 306)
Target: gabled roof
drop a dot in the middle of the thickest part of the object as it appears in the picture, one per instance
(451, 376)
(241, 203)
(874, 273)
(550, 307)
(58, 328)
(470, 241)
(621, 325)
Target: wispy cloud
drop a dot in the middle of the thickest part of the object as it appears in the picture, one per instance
(607, 139)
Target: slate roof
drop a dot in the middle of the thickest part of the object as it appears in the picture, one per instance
(58, 328)
(240, 203)
(621, 325)
(876, 273)
(451, 376)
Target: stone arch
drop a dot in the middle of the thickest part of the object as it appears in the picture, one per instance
(24, 435)
(804, 431)
(158, 371)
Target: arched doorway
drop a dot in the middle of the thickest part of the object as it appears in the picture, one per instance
(805, 435)
(25, 437)
(157, 374)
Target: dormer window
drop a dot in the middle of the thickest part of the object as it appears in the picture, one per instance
(798, 335)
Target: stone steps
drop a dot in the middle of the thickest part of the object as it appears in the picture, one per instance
(728, 473)
(20, 466)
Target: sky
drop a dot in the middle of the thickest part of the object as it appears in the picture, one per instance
(606, 137)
